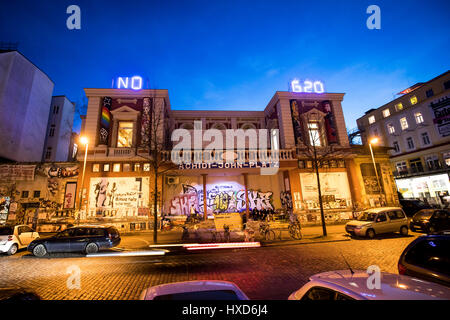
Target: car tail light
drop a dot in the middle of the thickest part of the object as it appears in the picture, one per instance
(10, 238)
(401, 269)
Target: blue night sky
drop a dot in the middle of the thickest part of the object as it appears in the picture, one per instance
(234, 54)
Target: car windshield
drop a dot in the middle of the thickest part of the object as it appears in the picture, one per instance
(5, 231)
(367, 216)
(424, 214)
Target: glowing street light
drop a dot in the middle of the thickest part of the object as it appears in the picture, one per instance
(374, 141)
(83, 140)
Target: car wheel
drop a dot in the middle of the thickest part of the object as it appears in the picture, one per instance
(12, 250)
(91, 248)
(404, 231)
(370, 233)
(431, 229)
(39, 250)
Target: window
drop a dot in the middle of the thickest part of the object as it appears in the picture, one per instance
(106, 167)
(419, 117)
(430, 254)
(146, 167)
(433, 162)
(116, 167)
(52, 131)
(386, 113)
(401, 166)
(36, 194)
(391, 128)
(75, 149)
(447, 85)
(48, 153)
(429, 93)
(55, 109)
(314, 136)
(126, 167)
(319, 293)
(396, 147)
(96, 167)
(24, 194)
(410, 143)
(413, 100)
(381, 217)
(399, 106)
(125, 134)
(371, 119)
(425, 138)
(404, 123)
(416, 165)
(446, 157)
(137, 167)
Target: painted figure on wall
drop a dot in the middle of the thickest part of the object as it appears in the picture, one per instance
(296, 122)
(330, 123)
(145, 123)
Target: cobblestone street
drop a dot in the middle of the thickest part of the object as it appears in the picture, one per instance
(262, 273)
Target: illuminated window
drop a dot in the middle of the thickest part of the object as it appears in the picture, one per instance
(404, 123)
(146, 167)
(413, 100)
(96, 167)
(125, 134)
(137, 167)
(419, 117)
(399, 106)
(116, 167)
(391, 128)
(75, 149)
(386, 113)
(371, 119)
(314, 134)
(106, 167)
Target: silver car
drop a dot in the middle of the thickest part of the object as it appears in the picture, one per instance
(378, 220)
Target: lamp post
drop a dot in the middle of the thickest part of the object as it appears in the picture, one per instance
(85, 141)
(375, 141)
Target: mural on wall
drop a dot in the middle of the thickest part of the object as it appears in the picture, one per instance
(370, 178)
(330, 123)
(54, 173)
(220, 198)
(118, 197)
(286, 200)
(145, 123)
(105, 120)
(70, 195)
(296, 122)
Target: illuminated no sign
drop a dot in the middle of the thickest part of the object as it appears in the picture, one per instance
(134, 83)
(307, 86)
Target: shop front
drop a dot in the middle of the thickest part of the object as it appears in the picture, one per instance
(431, 187)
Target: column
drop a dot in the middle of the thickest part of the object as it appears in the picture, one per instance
(246, 194)
(205, 207)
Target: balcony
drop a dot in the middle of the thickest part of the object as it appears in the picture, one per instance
(121, 152)
(414, 171)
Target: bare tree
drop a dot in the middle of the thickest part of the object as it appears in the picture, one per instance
(313, 145)
(354, 136)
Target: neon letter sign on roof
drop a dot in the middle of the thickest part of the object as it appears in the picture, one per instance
(307, 86)
(134, 83)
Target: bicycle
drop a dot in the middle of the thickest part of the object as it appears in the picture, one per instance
(295, 230)
(266, 232)
(226, 233)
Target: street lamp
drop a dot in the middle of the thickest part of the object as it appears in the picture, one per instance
(375, 141)
(84, 141)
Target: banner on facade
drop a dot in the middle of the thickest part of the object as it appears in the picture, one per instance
(232, 219)
(17, 172)
(70, 195)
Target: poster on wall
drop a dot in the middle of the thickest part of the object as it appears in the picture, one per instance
(70, 195)
(220, 198)
(441, 111)
(17, 172)
(232, 219)
(4, 208)
(105, 120)
(335, 190)
(119, 197)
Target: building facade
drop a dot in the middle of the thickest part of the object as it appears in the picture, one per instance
(416, 126)
(118, 184)
(25, 97)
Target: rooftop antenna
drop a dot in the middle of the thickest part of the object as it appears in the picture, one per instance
(348, 265)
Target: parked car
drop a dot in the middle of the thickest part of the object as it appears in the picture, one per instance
(88, 239)
(345, 285)
(430, 220)
(378, 220)
(194, 290)
(428, 258)
(15, 237)
(411, 206)
(17, 294)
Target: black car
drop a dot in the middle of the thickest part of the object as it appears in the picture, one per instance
(430, 220)
(427, 258)
(411, 206)
(88, 239)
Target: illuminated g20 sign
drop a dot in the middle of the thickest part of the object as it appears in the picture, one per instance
(306, 86)
(134, 83)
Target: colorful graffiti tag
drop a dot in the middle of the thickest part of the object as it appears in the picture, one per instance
(220, 198)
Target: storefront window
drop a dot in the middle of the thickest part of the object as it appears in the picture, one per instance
(106, 167)
(96, 167)
(125, 134)
(126, 167)
(116, 167)
(146, 167)
(137, 167)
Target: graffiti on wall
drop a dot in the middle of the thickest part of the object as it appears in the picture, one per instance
(220, 198)
(286, 199)
(145, 123)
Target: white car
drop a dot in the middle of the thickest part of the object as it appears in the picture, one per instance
(343, 285)
(13, 238)
(195, 290)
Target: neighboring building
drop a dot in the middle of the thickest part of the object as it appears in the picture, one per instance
(25, 97)
(416, 126)
(59, 139)
(118, 185)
